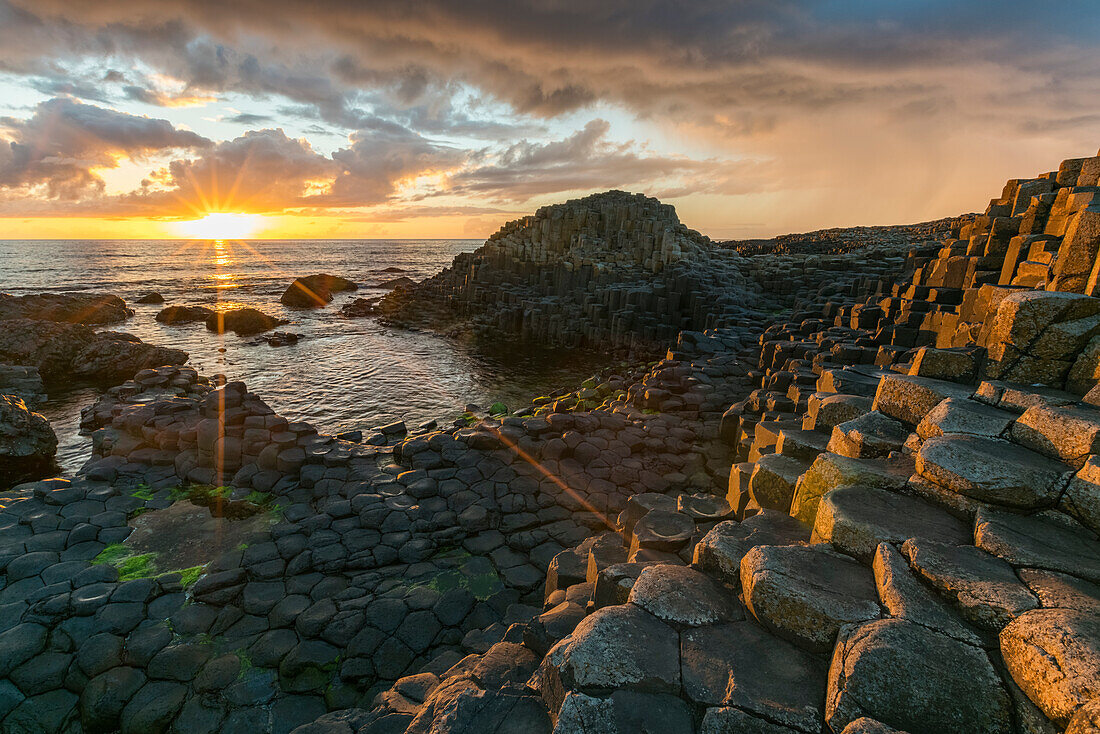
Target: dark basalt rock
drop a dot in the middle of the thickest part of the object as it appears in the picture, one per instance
(183, 314)
(64, 352)
(153, 297)
(72, 308)
(314, 291)
(27, 443)
(242, 321)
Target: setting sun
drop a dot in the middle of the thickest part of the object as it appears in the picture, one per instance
(221, 226)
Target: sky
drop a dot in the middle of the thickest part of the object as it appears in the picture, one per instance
(399, 118)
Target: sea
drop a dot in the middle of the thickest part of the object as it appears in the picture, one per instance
(343, 374)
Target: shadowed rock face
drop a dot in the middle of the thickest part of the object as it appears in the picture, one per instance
(27, 443)
(65, 353)
(184, 314)
(314, 291)
(73, 308)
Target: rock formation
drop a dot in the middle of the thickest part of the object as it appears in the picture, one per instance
(65, 353)
(184, 314)
(876, 511)
(619, 272)
(242, 321)
(27, 443)
(72, 308)
(314, 291)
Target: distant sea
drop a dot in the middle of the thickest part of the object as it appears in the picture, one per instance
(343, 374)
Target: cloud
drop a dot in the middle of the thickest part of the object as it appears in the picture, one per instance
(60, 147)
(160, 98)
(916, 106)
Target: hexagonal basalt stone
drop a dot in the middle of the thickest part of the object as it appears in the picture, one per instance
(684, 597)
(807, 593)
(914, 679)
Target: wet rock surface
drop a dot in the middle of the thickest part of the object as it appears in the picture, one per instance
(871, 512)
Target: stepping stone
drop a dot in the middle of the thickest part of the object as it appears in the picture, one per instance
(914, 679)
(662, 530)
(704, 507)
(1069, 433)
(742, 665)
(684, 597)
(619, 647)
(639, 505)
(825, 410)
(830, 471)
(991, 470)
(801, 444)
(983, 587)
(807, 593)
(1047, 540)
(960, 415)
(1054, 656)
(1018, 398)
(622, 711)
(954, 365)
(1062, 591)
(773, 481)
(908, 399)
(906, 598)
(856, 519)
(848, 382)
(720, 551)
(871, 436)
(725, 720)
(1082, 496)
(606, 550)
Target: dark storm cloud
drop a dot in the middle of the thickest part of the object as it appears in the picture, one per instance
(64, 141)
(751, 63)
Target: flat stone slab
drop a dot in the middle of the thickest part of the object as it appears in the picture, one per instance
(773, 481)
(991, 470)
(830, 471)
(1062, 591)
(743, 665)
(185, 534)
(1054, 656)
(870, 436)
(961, 415)
(615, 647)
(1047, 540)
(906, 598)
(983, 587)
(720, 551)
(621, 711)
(1069, 433)
(1082, 496)
(684, 597)
(807, 593)
(914, 679)
(727, 720)
(908, 399)
(856, 519)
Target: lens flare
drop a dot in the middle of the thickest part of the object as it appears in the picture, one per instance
(221, 226)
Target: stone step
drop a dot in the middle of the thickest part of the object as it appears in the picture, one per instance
(773, 481)
(872, 435)
(801, 444)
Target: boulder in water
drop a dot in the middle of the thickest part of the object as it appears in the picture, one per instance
(393, 283)
(72, 308)
(24, 382)
(184, 314)
(153, 297)
(27, 443)
(314, 291)
(114, 357)
(242, 321)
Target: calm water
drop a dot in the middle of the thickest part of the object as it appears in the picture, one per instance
(343, 374)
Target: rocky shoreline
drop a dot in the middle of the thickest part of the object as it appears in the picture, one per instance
(857, 493)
